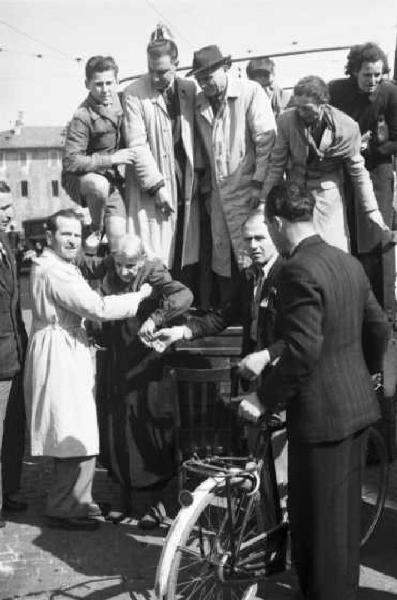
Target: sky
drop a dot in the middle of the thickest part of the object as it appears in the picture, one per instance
(40, 41)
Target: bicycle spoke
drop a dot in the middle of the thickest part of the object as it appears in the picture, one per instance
(200, 584)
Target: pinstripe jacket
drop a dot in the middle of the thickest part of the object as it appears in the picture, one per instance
(324, 306)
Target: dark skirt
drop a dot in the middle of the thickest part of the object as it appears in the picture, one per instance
(137, 419)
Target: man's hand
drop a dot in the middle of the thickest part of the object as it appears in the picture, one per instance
(252, 365)
(147, 329)
(375, 216)
(125, 156)
(29, 255)
(170, 335)
(250, 409)
(163, 203)
(145, 291)
(365, 139)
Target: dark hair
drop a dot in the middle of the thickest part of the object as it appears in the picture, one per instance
(161, 47)
(99, 64)
(313, 86)
(368, 52)
(66, 213)
(290, 202)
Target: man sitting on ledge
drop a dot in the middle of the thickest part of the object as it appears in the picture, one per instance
(92, 156)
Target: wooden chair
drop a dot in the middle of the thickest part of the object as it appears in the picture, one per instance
(206, 424)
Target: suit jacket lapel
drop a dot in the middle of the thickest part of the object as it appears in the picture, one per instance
(8, 274)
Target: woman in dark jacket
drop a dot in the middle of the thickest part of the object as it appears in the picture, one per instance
(136, 412)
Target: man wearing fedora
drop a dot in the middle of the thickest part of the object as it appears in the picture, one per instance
(159, 120)
(263, 71)
(237, 130)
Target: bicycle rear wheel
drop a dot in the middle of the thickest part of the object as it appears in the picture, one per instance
(221, 550)
(374, 483)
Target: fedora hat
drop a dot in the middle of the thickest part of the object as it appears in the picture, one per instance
(206, 58)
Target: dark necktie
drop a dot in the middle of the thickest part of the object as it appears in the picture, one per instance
(256, 300)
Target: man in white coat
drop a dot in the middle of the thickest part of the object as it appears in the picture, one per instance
(159, 118)
(59, 374)
(236, 125)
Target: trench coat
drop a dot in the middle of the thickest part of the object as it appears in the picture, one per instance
(339, 148)
(236, 144)
(148, 128)
(59, 371)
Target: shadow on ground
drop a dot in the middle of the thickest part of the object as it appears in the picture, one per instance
(119, 561)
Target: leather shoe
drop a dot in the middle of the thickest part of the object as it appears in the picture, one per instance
(73, 523)
(14, 505)
(2, 523)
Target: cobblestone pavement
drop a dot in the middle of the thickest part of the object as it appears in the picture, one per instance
(119, 561)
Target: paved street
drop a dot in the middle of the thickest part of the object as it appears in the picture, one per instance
(119, 561)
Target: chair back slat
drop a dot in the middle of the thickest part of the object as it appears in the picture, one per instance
(207, 425)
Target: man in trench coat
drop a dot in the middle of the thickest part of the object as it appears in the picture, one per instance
(159, 115)
(237, 130)
(59, 375)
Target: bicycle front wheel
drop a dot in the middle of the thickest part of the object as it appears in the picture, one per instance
(200, 568)
(374, 483)
(221, 545)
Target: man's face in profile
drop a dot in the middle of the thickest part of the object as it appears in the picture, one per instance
(6, 213)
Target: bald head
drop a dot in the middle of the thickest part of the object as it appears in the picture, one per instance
(129, 257)
(129, 245)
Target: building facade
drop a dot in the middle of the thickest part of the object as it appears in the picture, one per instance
(31, 165)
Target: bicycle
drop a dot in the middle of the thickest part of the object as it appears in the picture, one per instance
(228, 534)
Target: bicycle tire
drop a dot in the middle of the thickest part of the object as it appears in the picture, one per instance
(374, 483)
(195, 562)
(182, 544)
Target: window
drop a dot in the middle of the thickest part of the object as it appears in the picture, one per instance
(55, 188)
(24, 189)
(23, 159)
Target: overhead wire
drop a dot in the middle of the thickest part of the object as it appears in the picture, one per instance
(38, 41)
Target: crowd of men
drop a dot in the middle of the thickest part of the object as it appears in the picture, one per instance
(191, 181)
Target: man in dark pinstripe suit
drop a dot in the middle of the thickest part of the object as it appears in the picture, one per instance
(324, 308)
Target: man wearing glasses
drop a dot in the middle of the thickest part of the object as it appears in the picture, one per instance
(237, 129)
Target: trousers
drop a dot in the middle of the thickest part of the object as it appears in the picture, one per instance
(71, 492)
(12, 432)
(324, 505)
